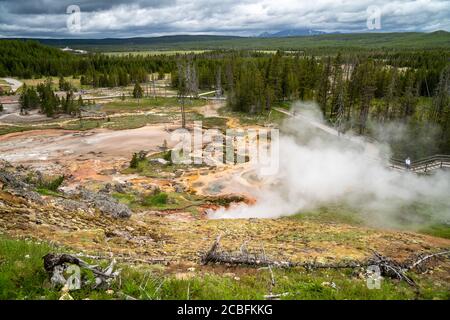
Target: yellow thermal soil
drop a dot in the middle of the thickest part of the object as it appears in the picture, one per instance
(178, 237)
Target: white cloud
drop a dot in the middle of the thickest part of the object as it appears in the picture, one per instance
(239, 17)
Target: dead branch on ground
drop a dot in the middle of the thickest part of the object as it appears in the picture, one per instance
(57, 264)
(130, 259)
(217, 255)
(422, 261)
(388, 267)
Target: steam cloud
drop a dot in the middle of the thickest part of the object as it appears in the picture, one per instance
(318, 169)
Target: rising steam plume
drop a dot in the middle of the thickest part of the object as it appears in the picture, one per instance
(319, 169)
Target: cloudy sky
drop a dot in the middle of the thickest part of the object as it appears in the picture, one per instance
(116, 18)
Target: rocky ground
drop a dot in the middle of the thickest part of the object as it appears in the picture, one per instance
(95, 222)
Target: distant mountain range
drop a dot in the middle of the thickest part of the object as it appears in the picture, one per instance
(292, 33)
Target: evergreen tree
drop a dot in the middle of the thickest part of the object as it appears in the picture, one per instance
(390, 94)
(137, 91)
(337, 88)
(182, 90)
(441, 108)
(367, 90)
(324, 86)
(290, 82)
(64, 85)
(29, 98)
(441, 97)
(49, 102)
(409, 97)
(274, 75)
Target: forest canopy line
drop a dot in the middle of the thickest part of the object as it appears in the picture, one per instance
(354, 89)
(29, 59)
(317, 44)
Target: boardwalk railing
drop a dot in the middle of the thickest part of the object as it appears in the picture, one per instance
(439, 161)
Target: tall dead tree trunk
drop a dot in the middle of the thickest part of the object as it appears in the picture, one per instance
(182, 91)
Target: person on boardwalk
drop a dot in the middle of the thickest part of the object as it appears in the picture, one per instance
(408, 163)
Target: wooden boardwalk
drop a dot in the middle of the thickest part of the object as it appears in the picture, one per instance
(422, 166)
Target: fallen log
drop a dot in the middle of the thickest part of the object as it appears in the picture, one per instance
(388, 267)
(216, 255)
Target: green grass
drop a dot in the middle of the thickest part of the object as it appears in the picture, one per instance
(118, 123)
(167, 110)
(437, 230)
(418, 217)
(47, 192)
(26, 127)
(147, 104)
(262, 119)
(113, 123)
(154, 169)
(74, 82)
(215, 123)
(331, 214)
(84, 124)
(176, 201)
(134, 122)
(5, 85)
(125, 198)
(12, 129)
(51, 183)
(157, 200)
(22, 276)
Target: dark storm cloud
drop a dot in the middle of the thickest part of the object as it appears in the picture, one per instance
(47, 18)
(59, 6)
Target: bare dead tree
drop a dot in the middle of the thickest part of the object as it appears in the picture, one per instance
(154, 86)
(193, 80)
(182, 90)
(219, 82)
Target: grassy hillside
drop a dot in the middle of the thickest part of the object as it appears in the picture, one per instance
(22, 276)
(410, 40)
